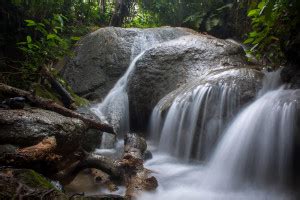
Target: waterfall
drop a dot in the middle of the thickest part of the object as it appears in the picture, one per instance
(114, 109)
(257, 147)
(252, 159)
(271, 81)
(194, 121)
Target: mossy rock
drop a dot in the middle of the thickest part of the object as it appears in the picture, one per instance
(48, 93)
(32, 179)
(15, 183)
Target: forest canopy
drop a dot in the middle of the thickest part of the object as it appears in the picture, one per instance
(38, 32)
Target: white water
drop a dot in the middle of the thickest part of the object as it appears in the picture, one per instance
(194, 121)
(257, 147)
(251, 161)
(114, 109)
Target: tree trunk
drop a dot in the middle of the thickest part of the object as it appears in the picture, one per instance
(122, 10)
(52, 106)
(136, 177)
(66, 97)
(102, 6)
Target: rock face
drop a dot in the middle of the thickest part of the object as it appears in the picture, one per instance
(189, 60)
(104, 55)
(28, 127)
(291, 75)
(173, 58)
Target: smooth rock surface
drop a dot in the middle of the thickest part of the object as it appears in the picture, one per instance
(104, 55)
(29, 126)
(188, 60)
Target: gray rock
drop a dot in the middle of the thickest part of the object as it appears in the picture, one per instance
(104, 55)
(191, 58)
(28, 127)
(291, 75)
(245, 81)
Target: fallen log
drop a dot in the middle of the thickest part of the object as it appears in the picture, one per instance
(136, 177)
(129, 170)
(52, 106)
(40, 150)
(103, 178)
(102, 163)
(40, 157)
(66, 97)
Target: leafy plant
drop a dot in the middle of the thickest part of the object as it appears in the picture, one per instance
(142, 19)
(272, 22)
(209, 18)
(45, 45)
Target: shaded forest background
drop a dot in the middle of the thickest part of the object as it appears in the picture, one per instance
(35, 33)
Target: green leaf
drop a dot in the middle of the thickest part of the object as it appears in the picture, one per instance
(21, 43)
(41, 24)
(249, 40)
(28, 38)
(29, 21)
(254, 12)
(262, 4)
(75, 38)
(51, 36)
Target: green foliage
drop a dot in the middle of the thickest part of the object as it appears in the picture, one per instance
(143, 19)
(33, 179)
(45, 45)
(36, 32)
(191, 13)
(272, 25)
(210, 17)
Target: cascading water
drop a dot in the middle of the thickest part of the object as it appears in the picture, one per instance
(195, 120)
(252, 160)
(257, 147)
(114, 109)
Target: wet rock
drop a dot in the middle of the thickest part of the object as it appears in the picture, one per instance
(148, 155)
(15, 103)
(26, 184)
(29, 126)
(245, 82)
(191, 58)
(7, 148)
(291, 75)
(104, 55)
(91, 140)
(92, 137)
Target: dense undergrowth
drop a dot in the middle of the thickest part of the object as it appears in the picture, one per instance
(36, 33)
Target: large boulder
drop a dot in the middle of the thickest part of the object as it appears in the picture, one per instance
(29, 126)
(104, 55)
(244, 82)
(194, 59)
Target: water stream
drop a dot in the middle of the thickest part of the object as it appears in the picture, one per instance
(252, 159)
(205, 148)
(195, 120)
(114, 109)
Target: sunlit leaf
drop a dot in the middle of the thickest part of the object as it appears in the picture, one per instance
(28, 38)
(249, 40)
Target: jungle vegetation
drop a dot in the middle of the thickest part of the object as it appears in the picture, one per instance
(38, 32)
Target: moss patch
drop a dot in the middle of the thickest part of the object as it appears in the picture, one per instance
(46, 92)
(26, 181)
(32, 179)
